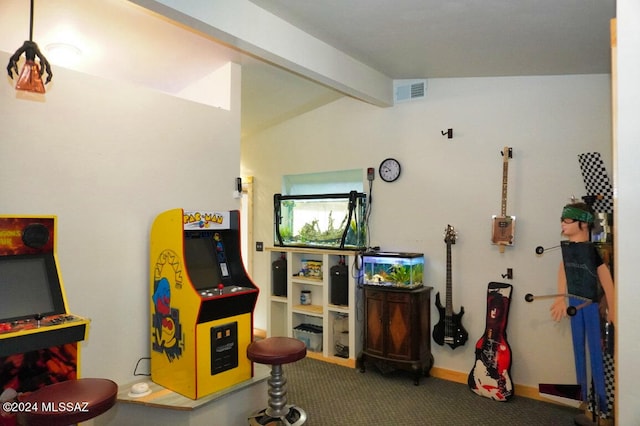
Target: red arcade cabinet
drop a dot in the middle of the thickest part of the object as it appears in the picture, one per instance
(38, 336)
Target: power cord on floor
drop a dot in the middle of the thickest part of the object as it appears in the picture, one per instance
(135, 370)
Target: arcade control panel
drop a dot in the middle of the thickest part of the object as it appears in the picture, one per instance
(41, 332)
(37, 322)
(222, 291)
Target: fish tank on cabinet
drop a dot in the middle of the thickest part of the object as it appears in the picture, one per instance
(326, 221)
(402, 270)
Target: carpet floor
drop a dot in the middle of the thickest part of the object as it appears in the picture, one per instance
(335, 395)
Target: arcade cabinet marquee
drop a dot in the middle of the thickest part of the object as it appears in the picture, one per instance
(202, 302)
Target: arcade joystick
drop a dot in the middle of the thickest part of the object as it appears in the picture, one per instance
(220, 288)
(38, 318)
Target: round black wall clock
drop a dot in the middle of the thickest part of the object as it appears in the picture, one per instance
(389, 170)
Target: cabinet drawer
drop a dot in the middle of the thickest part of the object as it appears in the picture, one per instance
(398, 297)
(374, 294)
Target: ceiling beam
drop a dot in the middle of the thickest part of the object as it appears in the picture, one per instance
(252, 30)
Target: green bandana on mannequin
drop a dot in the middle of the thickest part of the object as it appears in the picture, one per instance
(577, 214)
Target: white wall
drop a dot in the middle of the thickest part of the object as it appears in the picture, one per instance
(547, 120)
(628, 211)
(106, 158)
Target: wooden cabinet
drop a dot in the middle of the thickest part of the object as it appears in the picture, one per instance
(397, 330)
(324, 306)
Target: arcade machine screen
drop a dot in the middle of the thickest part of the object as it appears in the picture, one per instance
(200, 259)
(29, 286)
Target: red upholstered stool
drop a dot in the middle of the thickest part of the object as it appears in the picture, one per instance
(276, 351)
(70, 402)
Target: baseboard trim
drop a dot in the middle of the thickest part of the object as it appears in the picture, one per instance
(460, 377)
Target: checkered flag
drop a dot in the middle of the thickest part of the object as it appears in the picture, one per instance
(609, 381)
(596, 181)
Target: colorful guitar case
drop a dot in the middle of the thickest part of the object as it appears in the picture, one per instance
(491, 374)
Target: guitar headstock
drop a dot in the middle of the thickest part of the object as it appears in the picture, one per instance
(450, 235)
(507, 152)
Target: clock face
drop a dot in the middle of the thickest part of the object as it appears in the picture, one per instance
(389, 170)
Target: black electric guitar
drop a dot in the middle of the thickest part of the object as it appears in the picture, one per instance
(503, 228)
(449, 329)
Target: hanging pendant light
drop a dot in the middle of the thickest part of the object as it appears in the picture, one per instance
(30, 78)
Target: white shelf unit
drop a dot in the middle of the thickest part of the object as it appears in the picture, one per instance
(339, 323)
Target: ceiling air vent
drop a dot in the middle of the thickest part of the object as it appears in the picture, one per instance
(409, 90)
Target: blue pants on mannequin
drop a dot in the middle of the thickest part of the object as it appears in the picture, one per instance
(585, 331)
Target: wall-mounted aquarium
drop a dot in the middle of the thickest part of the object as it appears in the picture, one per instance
(328, 221)
(404, 270)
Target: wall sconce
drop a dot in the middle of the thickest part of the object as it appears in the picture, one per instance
(238, 191)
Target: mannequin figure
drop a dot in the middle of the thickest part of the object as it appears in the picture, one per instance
(583, 273)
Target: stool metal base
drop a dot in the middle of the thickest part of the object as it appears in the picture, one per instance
(294, 416)
(278, 412)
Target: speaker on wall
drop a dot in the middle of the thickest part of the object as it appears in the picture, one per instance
(35, 235)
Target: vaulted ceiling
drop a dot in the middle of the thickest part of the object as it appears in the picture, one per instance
(401, 39)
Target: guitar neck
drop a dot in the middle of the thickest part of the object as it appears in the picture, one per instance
(505, 178)
(449, 303)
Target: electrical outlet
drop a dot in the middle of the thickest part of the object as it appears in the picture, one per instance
(371, 173)
(259, 246)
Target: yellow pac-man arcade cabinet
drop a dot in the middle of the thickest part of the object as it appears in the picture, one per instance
(38, 336)
(202, 302)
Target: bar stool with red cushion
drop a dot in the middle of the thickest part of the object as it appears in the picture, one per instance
(70, 402)
(276, 351)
